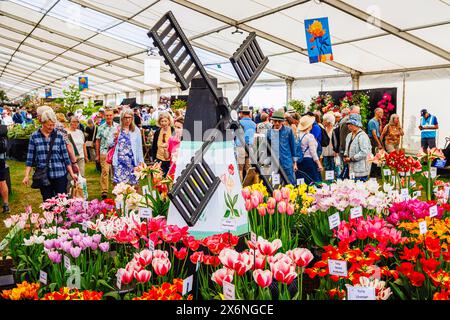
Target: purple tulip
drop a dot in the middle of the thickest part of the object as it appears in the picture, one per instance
(57, 243)
(97, 238)
(48, 244)
(66, 246)
(87, 241)
(54, 256)
(76, 240)
(74, 232)
(75, 252)
(94, 245)
(104, 246)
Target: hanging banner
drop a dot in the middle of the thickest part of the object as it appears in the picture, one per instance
(48, 92)
(83, 83)
(318, 40)
(152, 71)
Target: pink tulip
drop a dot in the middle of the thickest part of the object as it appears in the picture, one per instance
(222, 275)
(246, 193)
(134, 265)
(268, 248)
(54, 256)
(145, 257)
(127, 276)
(228, 257)
(34, 218)
(285, 193)
(142, 276)
(49, 216)
(301, 256)
(262, 211)
(161, 266)
(270, 211)
(94, 245)
(259, 259)
(290, 209)
(48, 244)
(75, 252)
(160, 254)
(283, 272)
(258, 195)
(277, 195)
(271, 202)
(87, 242)
(263, 278)
(248, 205)
(104, 246)
(97, 238)
(255, 201)
(282, 207)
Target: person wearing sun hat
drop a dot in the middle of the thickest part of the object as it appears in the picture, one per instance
(249, 127)
(309, 167)
(357, 149)
(282, 140)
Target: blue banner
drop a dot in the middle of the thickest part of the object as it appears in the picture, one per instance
(83, 83)
(48, 92)
(318, 40)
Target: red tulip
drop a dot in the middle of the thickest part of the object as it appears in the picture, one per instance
(282, 206)
(301, 256)
(197, 257)
(268, 248)
(283, 272)
(142, 276)
(429, 265)
(127, 276)
(263, 278)
(161, 266)
(246, 193)
(271, 203)
(145, 257)
(277, 195)
(259, 259)
(222, 275)
(248, 205)
(255, 201)
(180, 254)
(416, 278)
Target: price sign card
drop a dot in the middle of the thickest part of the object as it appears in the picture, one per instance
(386, 172)
(187, 284)
(275, 178)
(43, 277)
(373, 179)
(402, 174)
(417, 193)
(145, 190)
(119, 279)
(300, 181)
(433, 211)
(355, 212)
(352, 176)
(360, 293)
(408, 174)
(151, 245)
(334, 220)
(145, 213)
(329, 175)
(228, 291)
(404, 192)
(337, 267)
(423, 227)
(433, 172)
(66, 262)
(229, 224)
(253, 237)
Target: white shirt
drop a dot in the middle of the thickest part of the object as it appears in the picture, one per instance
(78, 138)
(7, 120)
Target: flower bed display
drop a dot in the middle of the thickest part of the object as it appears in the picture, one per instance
(304, 242)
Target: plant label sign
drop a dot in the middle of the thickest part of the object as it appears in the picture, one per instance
(329, 175)
(402, 174)
(433, 172)
(119, 205)
(187, 284)
(404, 192)
(275, 178)
(228, 291)
(337, 267)
(145, 190)
(145, 213)
(433, 211)
(66, 262)
(151, 245)
(84, 224)
(43, 277)
(229, 224)
(417, 193)
(356, 212)
(119, 279)
(387, 172)
(352, 176)
(300, 181)
(408, 174)
(373, 179)
(334, 220)
(253, 237)
(360, 293)
(423, 227)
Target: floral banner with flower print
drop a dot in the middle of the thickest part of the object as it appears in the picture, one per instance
(83, 84)
(318, 40)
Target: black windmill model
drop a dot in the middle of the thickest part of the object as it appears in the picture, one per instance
(206, 106)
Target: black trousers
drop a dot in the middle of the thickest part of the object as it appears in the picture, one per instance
(58, 185)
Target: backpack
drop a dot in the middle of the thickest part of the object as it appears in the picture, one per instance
(300, 153)
(325, 138)
(3, 138)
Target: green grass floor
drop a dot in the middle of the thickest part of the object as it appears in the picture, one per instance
(22, 196)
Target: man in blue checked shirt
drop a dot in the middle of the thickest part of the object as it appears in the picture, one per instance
(59, 162)
(249, 127)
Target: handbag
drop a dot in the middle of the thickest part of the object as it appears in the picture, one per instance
(40, 176)
(110, 153)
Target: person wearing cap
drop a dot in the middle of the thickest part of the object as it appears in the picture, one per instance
(310, 167)
(428, 126)
(282, 142)
(249, 127)
(374, 130)
(357, 149)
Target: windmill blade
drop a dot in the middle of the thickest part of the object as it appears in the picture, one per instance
(248, 61)
(178, 53)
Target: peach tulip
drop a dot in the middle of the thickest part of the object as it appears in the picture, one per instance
(246, 193)
(262, 211)
(282, 207)
(248, 205)
(285, 193)
(277, 195)
(271, 202)
(290, 209)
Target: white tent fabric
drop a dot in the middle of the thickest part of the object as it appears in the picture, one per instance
(50, 43)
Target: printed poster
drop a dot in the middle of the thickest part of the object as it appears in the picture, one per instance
(83, 83)
(318, 40)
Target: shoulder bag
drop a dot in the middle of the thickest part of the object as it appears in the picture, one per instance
(110, 154)
(40, 176)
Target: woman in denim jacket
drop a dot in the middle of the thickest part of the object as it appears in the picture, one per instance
(357, 149)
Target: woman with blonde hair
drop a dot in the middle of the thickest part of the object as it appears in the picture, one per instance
(160, 146)
(392, 133)
(128, 153)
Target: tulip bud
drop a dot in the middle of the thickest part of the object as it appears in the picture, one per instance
(282, 207)
(290, 209)
(277, 195)
(285, 193)
(255, 201)
(248, 205)
(246, 193)
(262, 211)
(271, 203)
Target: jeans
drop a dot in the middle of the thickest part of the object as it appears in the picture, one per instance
(58, 185)
(328, 163)
(363, 179)
(308, 170)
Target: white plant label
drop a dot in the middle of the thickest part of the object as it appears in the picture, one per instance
(228, 291)
(151, 245)
(408, 174)
(352, 176)
(119, 280)
(423, 227)
(447, 191)
(417, 193)
(356, 212)
(229, 224)
(387, 172)
(373, 179)
(404, 192)
(43, 277)
(402, 174)
(300, 181)
(329, 175)
(275, 178)
(360, 293)
(334, 220)
(337, 267)
(145, 190)
(187, 284)
(66, 262)
(433, 211)
(253, 237)
(84, 224)
(197, 266)
(433, 172)
(145, 213)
